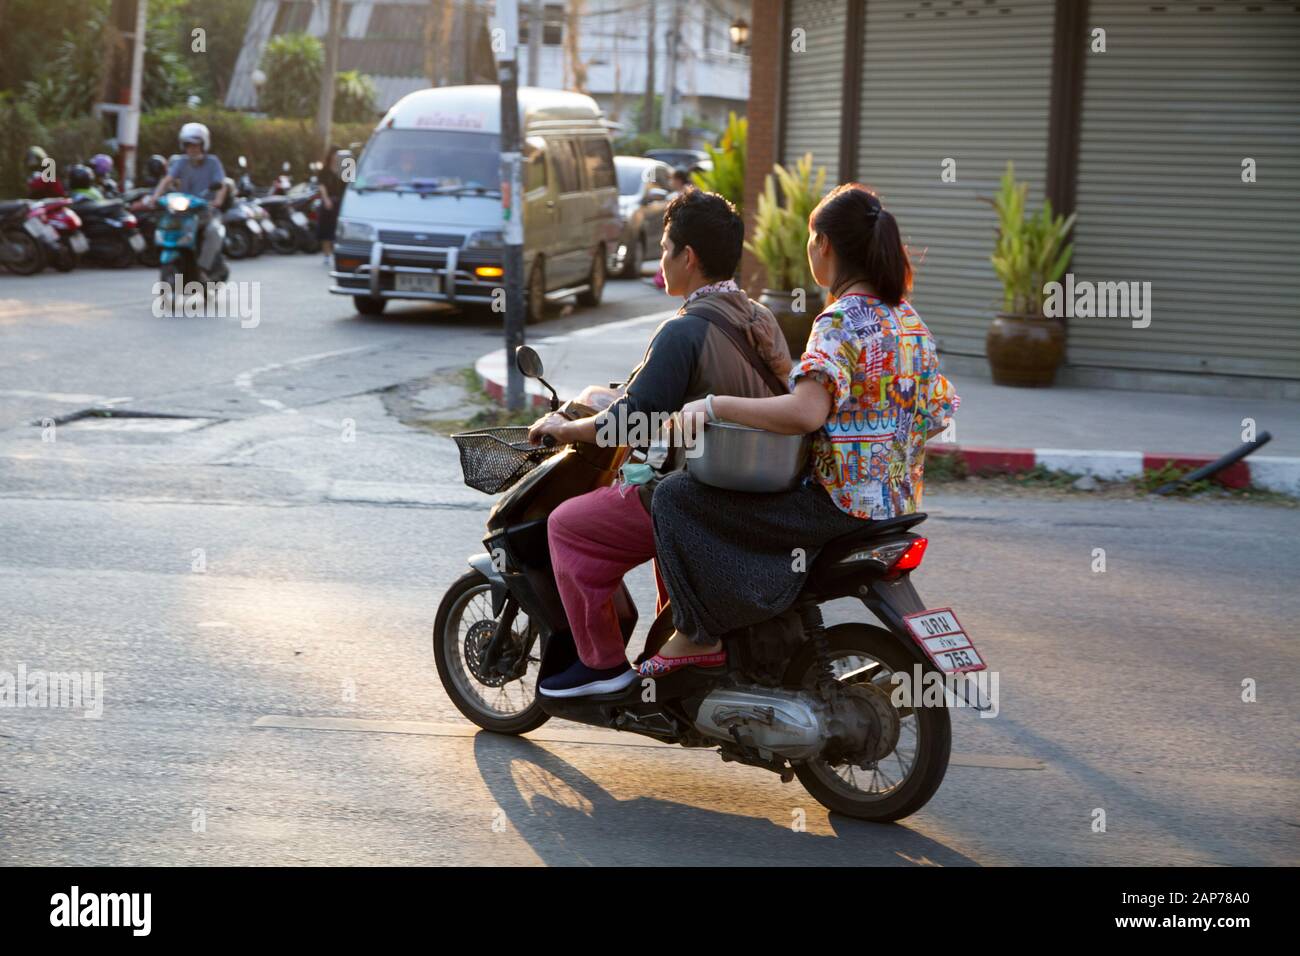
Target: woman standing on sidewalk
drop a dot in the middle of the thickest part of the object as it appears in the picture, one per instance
(868, 384)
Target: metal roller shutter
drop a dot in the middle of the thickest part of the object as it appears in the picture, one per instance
(968, 81)
(814, 78)
(1184, 92)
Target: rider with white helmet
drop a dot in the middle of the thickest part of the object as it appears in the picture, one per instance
(201, 174)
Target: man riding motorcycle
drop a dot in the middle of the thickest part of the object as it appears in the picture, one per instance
(201, 174)
(598, 537)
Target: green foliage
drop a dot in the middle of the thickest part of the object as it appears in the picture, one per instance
(727, 178)
(354, 98)
(780, 240)
(266, 143)
(1155, 478)
(19, 129)
(637, 144)
(1031, 251)
(292, 63)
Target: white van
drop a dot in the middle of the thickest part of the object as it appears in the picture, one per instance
(423, 218)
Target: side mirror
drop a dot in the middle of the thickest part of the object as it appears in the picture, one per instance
(529, 364)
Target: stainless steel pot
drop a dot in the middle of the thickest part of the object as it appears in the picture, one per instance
(740, 458)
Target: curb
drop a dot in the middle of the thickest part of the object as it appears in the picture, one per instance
(1264, 472)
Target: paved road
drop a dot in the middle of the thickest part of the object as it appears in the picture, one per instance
(240, 582)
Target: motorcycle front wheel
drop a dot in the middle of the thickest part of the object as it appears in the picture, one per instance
(239, 243)
(461, 632)
(284, 242)
(895, 786)
(23, 254)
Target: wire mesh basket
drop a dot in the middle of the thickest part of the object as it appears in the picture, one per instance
(493, 459)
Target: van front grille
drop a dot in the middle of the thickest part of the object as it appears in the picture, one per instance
(401, 238)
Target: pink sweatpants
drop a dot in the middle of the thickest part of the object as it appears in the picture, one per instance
(595, 539)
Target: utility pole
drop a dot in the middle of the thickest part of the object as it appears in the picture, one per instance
(129, 137)
(512, 205)
(648, 103)
(670, 73)
(325, 114)
(535, 28)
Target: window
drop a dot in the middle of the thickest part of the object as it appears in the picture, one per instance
(292, 17)
(599, 160)
(534, 170)
(566, 165)
(552, 23)
(430, 160)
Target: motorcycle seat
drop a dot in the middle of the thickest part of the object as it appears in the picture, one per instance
(840, 548)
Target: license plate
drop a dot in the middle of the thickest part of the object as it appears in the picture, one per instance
(253, 227)
(136, 242)
(299, 219)
(944, 641)
(78, 242)
(410, 282)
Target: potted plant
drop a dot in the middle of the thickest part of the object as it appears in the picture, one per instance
(1024, 346)
(780, 243)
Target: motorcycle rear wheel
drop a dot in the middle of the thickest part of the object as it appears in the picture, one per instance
(511, 708)
(925, 733)
(284, 242)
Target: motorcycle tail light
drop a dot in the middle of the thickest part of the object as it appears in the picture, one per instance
(911, 558)
(130, 221)
(72, 218)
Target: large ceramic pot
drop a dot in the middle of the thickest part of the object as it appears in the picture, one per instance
(795, 326)
(1025, 350)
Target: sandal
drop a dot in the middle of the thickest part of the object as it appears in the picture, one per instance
(658, 665)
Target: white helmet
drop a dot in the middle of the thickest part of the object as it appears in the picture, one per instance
(195, 133)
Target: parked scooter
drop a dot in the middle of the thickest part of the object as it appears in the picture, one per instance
(178, 238)
(113, 232)
(286, 222)
(795, 697)
(147, 221)
(21, 237)
(243, 226)
(71, 242)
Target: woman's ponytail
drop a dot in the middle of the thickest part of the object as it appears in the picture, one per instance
(865, 234)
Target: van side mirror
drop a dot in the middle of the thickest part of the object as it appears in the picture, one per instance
(529, 364)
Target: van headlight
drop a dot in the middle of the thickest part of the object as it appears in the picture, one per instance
(360, 231)
(486, 239)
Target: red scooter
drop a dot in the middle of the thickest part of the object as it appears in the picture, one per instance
(70, 244)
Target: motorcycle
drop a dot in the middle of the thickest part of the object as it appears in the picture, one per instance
(796, 697)
(287, 223)
(22, 237)
(147, 218)
(70, 243)
(113, 232)
(178, 243)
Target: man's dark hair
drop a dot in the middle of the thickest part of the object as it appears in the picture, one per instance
(711, 226)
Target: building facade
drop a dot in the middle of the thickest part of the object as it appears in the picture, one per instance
(600, 46)
(1171, 128)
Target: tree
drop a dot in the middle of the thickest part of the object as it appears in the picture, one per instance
(354, 97)
(292, 63)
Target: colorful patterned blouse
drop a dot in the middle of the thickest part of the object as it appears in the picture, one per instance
(880, 366)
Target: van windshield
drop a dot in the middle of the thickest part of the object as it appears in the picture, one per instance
(432, 161)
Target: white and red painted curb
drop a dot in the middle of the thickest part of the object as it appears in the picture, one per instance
(1257, 471)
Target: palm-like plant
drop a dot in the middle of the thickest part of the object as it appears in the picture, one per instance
(1030, 252)
(727, 177)
(781, 224)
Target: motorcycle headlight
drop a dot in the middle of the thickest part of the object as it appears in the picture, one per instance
(360, 231)
(178, 203)
(486, 239)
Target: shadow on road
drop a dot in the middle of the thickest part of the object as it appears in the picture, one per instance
(570, 820)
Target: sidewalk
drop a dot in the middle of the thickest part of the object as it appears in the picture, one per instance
(1102, 432)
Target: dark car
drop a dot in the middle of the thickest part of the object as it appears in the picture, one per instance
(643, 188)
(685, 159)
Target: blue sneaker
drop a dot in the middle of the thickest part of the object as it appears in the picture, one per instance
(581, 680)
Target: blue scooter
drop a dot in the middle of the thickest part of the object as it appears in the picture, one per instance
(177, 239)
